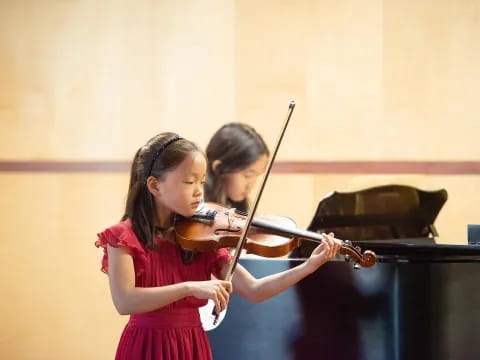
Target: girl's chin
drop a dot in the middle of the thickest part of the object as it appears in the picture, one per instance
(187, 213)
(237, 199)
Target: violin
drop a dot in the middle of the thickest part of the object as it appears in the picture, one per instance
(215, 226)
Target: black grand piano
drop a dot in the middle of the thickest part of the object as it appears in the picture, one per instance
(420, 301)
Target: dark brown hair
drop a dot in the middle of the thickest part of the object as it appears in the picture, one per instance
(161, 154)
(237, 146)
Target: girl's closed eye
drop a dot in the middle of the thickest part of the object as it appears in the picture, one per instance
(193, 182)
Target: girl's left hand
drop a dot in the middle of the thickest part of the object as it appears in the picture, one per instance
(323, 252)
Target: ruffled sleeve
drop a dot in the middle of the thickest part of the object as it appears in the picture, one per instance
(122, 235)
(219, 259)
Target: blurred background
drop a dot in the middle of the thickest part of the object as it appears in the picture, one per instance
(84, 83)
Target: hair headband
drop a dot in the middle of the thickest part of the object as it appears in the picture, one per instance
(159, 151)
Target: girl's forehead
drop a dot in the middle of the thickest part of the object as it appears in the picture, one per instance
(193, 164)
(258, 166)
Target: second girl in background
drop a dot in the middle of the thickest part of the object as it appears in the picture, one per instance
(237, 156)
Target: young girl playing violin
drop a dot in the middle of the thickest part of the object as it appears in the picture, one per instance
(148, 279)
(237, 156)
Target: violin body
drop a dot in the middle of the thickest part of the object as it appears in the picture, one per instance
(215, 227)
(218, 227)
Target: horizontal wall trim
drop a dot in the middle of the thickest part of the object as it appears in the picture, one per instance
(280, 167)
(379, 167)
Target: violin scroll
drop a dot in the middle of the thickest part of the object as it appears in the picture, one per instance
(365, 259)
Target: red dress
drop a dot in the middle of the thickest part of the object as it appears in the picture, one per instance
(174, 331)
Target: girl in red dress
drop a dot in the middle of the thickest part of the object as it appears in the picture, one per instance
(150, 277)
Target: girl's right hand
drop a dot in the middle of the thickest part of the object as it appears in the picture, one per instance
(217, 290)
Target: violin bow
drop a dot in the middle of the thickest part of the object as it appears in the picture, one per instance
(248, 221)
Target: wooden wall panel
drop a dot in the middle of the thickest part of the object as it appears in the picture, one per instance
(88, 80)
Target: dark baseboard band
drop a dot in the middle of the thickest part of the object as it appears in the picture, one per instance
(280, 167)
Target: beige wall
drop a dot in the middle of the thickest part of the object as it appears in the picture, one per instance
(93, 80)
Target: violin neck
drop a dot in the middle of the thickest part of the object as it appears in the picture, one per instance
(366, 259)
(281, 230)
